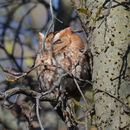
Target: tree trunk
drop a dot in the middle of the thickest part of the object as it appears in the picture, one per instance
(107, 26)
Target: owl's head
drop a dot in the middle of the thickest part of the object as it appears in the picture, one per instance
(61, 39)
(54, 37)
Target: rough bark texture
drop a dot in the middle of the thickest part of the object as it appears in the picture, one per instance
(108, 37)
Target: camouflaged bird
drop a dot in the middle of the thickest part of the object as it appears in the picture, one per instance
(61, 53)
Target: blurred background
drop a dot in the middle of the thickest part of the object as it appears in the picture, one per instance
(20, 21)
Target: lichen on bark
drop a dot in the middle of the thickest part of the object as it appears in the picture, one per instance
(108, 29)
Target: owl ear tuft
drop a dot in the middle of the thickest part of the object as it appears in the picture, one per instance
(41, 39)
(56, 37)
(62, 33)
(41, 36)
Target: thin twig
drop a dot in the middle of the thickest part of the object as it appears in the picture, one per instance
(20, 75)
(78, 87)
(52, 13)
(45, 36)
(37, 112)
(51, 25)
(126, 106)
(108, 13)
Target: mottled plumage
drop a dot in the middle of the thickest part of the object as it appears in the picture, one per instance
(62, 53)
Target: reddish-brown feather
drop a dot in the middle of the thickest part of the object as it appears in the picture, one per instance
(65, 48)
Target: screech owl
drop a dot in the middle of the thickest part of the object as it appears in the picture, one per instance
(61, 53)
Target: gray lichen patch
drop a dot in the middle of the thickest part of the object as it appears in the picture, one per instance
(109, 45)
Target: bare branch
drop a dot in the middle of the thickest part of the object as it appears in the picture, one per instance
(17, 90)
(37, 112)
(28, 92)
(78, 87)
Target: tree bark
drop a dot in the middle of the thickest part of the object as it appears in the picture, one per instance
(107, 26)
